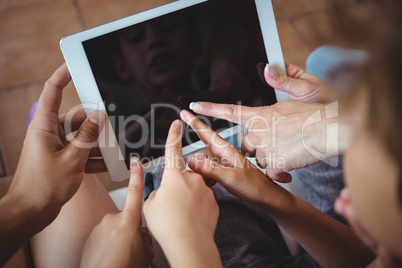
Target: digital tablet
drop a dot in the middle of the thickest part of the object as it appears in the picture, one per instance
(144, 69)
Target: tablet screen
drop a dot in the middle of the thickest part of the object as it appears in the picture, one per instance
(147, 73)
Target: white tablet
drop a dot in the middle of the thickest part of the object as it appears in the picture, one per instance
(143, 69)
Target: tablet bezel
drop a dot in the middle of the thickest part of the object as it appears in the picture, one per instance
(90, 96)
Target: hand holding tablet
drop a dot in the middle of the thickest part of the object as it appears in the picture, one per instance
(163, 59)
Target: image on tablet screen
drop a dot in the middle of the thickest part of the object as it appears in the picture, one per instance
(147, 73)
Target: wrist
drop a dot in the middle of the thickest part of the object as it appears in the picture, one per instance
(330, 132)
(26, 213)
(20, 221)
(276, 200)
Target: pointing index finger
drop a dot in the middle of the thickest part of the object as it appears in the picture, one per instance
(50, 98)
(218, 146)
(135, 190)
(235, 113)
(173, 149)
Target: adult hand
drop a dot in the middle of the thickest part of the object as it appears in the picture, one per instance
(50, 169)
(300, 86)
(119, 240)
(182, 214)
(285, 136)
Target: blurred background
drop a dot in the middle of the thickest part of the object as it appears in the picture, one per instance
(30, 31)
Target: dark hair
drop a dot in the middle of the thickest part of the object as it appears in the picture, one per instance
(376, 26)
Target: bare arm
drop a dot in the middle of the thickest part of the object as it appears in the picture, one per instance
(50, 169)
(18, 222)
(331, 243)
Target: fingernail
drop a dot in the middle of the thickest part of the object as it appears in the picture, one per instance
(195, 106)
(177, 122)
(94, 117)
(267, 68)
(271, 71)
(198, 158)
(339, 207)
(195, 161)
(134, 160)
(97, 117)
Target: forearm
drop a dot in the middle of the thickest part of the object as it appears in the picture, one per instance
(19, 221)
(329, 242)
(192, 253)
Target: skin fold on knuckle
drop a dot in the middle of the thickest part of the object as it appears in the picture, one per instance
(284, 81)
(261, 111)
(49, 84)
(211, 168)
(230, 110)
(134, 189)
(276, 112)
(89, 133)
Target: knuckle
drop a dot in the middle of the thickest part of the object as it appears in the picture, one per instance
(212, 167)
(91, 132)
(276, 111)
(261, 111)
(230, 109)
(134, 189)
(47, 84)
(285, 80)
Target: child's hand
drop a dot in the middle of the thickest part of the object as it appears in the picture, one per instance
(225, 164)
(119, 240)
(182, 214)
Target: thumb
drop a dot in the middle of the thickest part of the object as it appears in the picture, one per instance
(279, 176)
(87, 134)
(285, 83)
